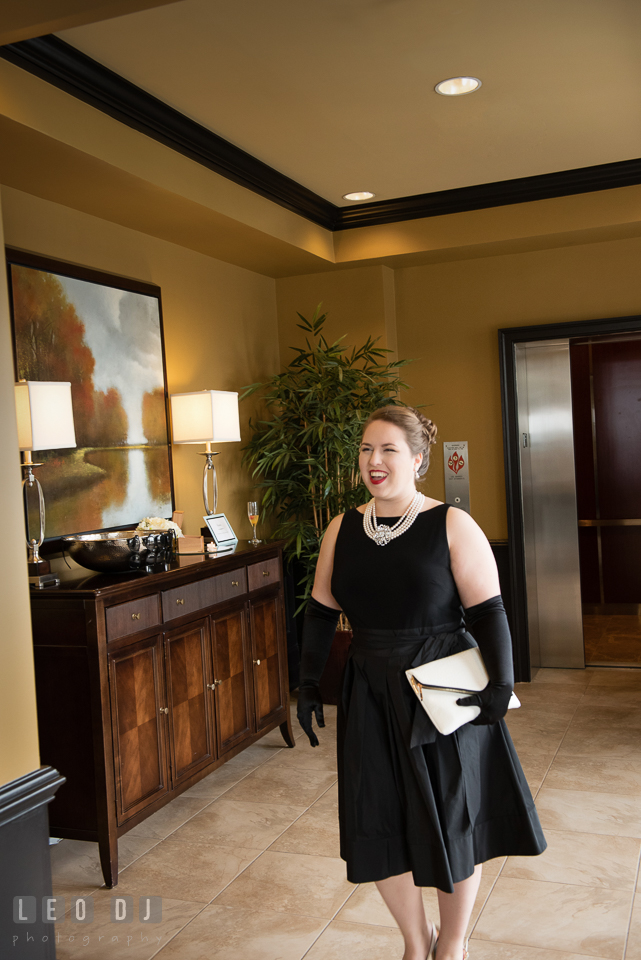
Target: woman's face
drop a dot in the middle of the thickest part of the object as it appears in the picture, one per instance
(386, 462)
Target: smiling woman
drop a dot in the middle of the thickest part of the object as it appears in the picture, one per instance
(416, 808)
(398, 428)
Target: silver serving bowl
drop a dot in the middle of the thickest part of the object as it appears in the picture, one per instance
(119, 551)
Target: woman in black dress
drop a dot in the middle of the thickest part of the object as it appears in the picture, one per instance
(416, 808)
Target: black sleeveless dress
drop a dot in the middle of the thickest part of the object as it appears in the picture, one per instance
(411, 799)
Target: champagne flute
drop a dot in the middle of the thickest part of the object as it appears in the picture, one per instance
(252, 513)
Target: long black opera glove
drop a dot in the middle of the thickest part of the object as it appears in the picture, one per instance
(488, 625)
(319, 628)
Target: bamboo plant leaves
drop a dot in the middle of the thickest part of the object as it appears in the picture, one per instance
(305, 456)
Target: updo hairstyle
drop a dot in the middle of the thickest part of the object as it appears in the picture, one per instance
(420, 433)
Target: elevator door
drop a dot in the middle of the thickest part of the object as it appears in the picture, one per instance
(548, 494)
(606, 389)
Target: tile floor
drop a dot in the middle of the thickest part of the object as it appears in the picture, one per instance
(247, 865)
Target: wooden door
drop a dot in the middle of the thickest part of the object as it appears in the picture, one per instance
(191, 735)
(140, 757)
(267, 655)
(606, 383)
(232, 679)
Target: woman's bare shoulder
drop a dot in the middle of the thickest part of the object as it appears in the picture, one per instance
(331, 532)
(322, 590)
(335, 523)
(473, 563)
(463, 531)
(429, 503)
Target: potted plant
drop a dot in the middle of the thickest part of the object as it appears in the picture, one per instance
(305, 455)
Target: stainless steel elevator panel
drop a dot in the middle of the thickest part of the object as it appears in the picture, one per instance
(549, 504)
(457, 473)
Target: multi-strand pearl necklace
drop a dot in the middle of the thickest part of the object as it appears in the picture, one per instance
(382, 534)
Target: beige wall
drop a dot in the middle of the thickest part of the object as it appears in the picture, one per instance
(359, 302)
(219, 324)
(447, 317)
(18, 727)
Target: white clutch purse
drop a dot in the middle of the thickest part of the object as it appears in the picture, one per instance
(439, 684)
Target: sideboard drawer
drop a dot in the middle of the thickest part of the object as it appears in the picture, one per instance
(124, 619)
(262, 574)
(183, 600)
(226, 586)
(205, 593)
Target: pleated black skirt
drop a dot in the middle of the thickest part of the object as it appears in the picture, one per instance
(411, 799)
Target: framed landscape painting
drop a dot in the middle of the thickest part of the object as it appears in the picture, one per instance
(104, 335)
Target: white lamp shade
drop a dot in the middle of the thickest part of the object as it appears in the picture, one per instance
(208, 416)
(45, 415)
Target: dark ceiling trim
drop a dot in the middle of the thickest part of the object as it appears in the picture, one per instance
(60, 64)
(604, 176)
(57, 62)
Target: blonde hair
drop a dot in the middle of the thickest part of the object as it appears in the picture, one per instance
(420, 433)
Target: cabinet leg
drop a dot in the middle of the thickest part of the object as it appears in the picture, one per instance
(287, 732)
(108, 848)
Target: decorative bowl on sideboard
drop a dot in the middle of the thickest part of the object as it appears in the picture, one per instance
(121, 550)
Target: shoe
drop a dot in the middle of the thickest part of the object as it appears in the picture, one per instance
(431, 953)
(434, 943)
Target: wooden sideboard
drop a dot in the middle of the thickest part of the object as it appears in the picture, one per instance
(146, 682)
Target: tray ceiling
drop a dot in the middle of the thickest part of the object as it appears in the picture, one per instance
(338, 95)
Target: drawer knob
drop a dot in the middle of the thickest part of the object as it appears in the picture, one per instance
(234, 583)
(164, 709)
(135, 616)
(256, 661)
(216, 682)
(181, 602)
(265, 573)
(211, 686)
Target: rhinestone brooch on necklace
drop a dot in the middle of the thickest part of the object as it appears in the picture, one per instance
(382, 534)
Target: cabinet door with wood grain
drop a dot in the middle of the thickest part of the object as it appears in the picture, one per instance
(267, 655)
(232, 679)
(190, 717)
(140, 758)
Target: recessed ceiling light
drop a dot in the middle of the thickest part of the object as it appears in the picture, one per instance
(457, 86)
(359, 195)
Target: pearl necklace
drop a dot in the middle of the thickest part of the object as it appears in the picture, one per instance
(381, 535)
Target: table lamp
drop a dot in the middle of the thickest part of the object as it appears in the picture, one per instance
(206, 416)
(45, 422)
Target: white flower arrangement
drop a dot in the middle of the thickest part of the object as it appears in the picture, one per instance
(158, 523)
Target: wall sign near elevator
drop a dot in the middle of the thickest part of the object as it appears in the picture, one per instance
(457, 476)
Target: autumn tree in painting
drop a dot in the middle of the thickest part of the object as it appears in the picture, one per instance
(111, 421)
(154, 420)
(50, 345)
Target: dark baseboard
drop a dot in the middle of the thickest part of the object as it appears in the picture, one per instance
(26, 867)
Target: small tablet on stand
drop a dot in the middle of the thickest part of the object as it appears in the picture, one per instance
(222, 533)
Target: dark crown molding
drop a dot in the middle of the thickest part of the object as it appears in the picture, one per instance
(606, 176)
(62, 65)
